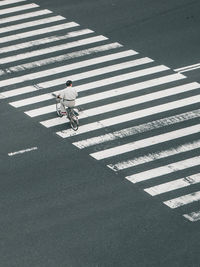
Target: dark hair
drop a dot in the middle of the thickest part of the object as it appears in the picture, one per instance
(68, 83)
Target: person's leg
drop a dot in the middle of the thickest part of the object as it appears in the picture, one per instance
(69, 104)
(62, 107)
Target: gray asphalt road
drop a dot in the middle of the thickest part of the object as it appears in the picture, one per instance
(59, 205)
(165, 31)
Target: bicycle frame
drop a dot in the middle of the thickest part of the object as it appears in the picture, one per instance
(73, 119)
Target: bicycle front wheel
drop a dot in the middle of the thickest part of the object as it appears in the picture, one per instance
(58, 109)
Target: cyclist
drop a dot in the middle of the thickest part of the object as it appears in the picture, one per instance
(67, 97)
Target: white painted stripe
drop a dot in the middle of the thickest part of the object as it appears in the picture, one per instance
(102, 95)
(193, 216)
(87, 86)
(188, 68)
(67, 56)
(28, 89)
(42, 110)
(152, 156)
(132, 131)
(78, 65)
(102, 82)
(74, 66)
(37, 32)
(31, 100)
(9, 2)
(56, 121)
(22, 151)
(129, 89)
(52, 49)
(194, 68)
(30, 24)
(163, 170)
(183, 200)
(140, 99)
(173, 185)
(1, 96)
(118, 150)
(130, 116)
(25, 16)
(15, 92)
(36, 99)
(128, 102)
(37, 42)
(16, 9)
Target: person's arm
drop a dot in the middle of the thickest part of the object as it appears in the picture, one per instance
(60, 95)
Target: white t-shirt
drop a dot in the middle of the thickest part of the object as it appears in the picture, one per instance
(69, 93)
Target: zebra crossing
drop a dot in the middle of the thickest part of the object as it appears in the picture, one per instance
(139, 117)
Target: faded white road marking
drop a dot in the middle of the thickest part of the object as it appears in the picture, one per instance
(37, 32)
(31, 24)
(183, 200)
(52, 49)
(130, 116)
(22, 151)
(163, 170)
(132, 131)
(173, 185)
(193, 216)
(67, 56)
(149, 141)
(37, 42)
(77, 65)
(128, 102)
(17, 8)
(188, 68)
(154, 156)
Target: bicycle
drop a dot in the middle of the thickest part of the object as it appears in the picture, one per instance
(72, 114)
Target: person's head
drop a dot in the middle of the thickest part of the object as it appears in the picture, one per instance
(68, 83)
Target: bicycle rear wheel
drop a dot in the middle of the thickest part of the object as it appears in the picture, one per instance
(74, 123)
